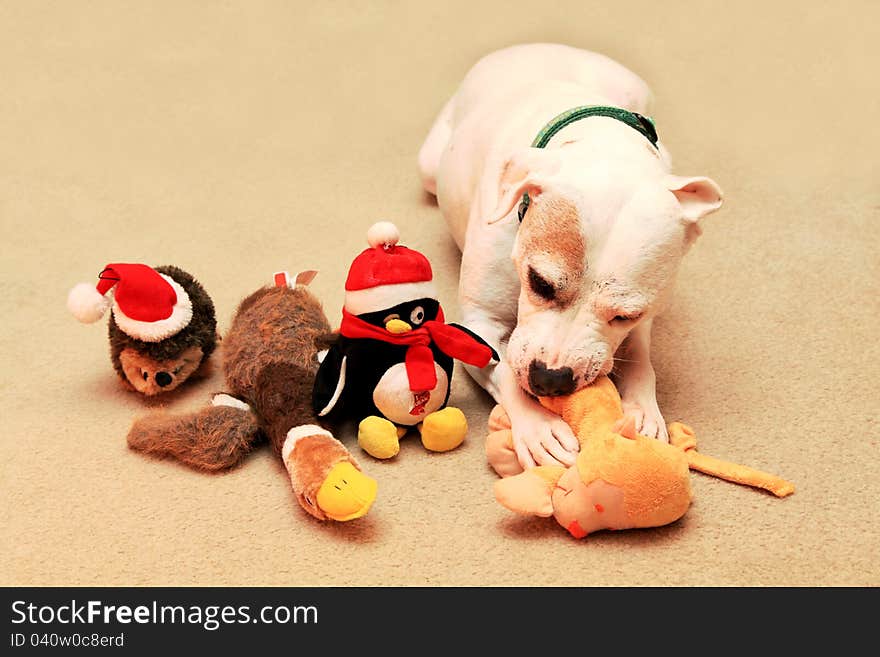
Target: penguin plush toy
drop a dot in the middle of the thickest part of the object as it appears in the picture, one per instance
(389, 367)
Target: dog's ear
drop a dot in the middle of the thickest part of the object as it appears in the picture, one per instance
(697, 196)
(524, 173)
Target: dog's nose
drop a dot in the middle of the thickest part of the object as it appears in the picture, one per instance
(545, 382)
(163, 379)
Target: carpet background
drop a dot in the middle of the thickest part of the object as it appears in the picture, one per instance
(235, 139)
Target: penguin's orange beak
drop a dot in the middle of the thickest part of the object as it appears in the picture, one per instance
(397, 326)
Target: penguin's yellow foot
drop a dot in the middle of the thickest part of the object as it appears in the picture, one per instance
(444, 430)
(378, 437)
(347, 493)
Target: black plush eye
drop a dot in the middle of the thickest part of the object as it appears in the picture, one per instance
(541, 286)
(145, 375)
(417, 316)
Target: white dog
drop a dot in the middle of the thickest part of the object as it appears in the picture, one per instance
(564, 283)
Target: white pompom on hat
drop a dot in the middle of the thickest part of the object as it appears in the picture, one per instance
(147, 305)
(86, 303)
(387, 274)
(384, 234)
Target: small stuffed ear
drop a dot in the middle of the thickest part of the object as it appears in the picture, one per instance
(526, 493)
(524, 173)
(697, 196)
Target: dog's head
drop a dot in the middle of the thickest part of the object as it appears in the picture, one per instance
(597, 253)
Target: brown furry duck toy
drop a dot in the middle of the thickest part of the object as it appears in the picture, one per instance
(162, 328)
(270, 358)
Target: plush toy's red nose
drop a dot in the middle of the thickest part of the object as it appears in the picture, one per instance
(574, 528)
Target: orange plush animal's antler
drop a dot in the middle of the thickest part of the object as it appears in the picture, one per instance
(621, 479)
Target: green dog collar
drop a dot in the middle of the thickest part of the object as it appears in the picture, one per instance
(641, 124)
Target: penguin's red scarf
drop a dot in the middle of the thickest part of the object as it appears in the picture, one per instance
(450, 340)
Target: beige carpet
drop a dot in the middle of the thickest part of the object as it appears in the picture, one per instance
(234, 139)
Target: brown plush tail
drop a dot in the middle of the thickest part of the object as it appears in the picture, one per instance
(214, 438)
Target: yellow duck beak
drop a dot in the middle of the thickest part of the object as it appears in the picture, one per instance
(347, 493)
(397, 326)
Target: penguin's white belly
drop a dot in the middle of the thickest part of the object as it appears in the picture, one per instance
(401, 405)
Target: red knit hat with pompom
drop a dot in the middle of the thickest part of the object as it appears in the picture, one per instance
(387, 274)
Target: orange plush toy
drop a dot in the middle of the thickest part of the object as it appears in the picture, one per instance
(620, 480)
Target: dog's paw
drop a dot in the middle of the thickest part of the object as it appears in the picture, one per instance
(649, 420)
(542, 438)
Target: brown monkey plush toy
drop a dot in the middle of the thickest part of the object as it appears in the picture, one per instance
(270, 357)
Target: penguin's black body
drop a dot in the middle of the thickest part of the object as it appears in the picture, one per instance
(389, 367)
(369, 369)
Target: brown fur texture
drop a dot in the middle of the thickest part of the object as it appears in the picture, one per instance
(282, 398)
(213, 438)
(172, 352)
(270, 361)
(270, 357)
(274, 324)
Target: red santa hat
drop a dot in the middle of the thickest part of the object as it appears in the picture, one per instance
(147, 305)
(387, 274)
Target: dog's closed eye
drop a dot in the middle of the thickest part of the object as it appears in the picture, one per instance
(625, 318)
(541, 286)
